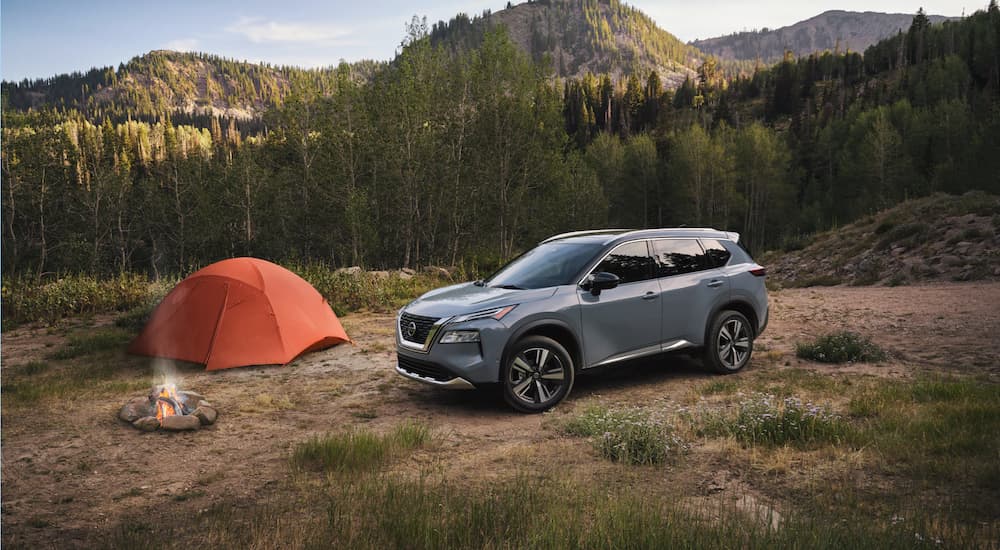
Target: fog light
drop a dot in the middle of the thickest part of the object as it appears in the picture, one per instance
(460, 337)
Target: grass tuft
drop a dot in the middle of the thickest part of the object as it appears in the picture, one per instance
(527, 512)
(841, 347)
(632, 436)
(357, 450)
(762, 419)
(93, 342)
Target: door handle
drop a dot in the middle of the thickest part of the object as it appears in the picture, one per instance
(714, 284)
(650, 295)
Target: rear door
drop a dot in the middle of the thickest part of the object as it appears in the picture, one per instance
(690, 289)
(622, 322)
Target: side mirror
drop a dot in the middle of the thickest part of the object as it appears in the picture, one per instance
(596, 282)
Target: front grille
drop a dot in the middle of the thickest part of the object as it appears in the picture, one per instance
(422, 324)
(425, 369)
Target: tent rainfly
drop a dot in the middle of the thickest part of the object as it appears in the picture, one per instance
(240, 312)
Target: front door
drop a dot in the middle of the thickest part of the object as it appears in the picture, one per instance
(622, 322)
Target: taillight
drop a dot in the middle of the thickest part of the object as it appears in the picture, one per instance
(758, 272)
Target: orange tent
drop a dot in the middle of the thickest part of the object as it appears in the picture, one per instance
(240, 312)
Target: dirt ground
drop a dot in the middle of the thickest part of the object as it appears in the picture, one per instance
(71, 470)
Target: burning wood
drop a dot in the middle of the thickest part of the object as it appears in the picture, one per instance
(167, 408)
(168, 402)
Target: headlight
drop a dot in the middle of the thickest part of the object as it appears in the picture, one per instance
(495, 313)
(460, 337)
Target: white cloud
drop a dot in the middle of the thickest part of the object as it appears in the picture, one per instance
(182, 45)
(258, 30)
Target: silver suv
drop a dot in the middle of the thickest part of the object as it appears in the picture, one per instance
(582, 300)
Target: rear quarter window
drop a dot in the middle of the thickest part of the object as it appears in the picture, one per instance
(739, 256)
(716, 254)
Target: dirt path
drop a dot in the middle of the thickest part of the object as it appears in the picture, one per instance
(71, 470)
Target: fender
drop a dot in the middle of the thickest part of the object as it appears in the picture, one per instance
(744, 304)
(575, 350)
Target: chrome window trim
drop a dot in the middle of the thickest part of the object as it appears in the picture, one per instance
(647, 240)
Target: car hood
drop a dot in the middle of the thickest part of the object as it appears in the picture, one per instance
(468, 298)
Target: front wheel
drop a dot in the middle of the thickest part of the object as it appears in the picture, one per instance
(729, 343)
(537, 373)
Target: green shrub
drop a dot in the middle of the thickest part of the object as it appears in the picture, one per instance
(30, 299)
(347, 292)
(907, 235)
(796, 242)
(818, 280)
(897, 279)
(632, 436)
(841, 347)
(33, 368)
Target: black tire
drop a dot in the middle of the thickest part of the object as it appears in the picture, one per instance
(724, 352)
(530, 387)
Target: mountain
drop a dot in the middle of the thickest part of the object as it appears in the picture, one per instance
(596, 36)
(831, 30)
(162, 81)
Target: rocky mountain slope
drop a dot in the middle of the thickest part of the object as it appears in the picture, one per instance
(831, 30)
(165, 81)
(598, 36)
(937, 238)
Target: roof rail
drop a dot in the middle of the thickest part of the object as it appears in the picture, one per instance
(582, 233)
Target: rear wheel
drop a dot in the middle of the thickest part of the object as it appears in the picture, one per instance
(536, 375)
(730, 342)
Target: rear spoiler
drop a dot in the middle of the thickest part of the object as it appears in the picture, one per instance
(734, 236)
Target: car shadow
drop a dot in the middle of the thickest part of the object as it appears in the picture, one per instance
(634, 374)
(641, 372)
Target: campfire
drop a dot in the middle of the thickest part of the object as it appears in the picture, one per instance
(170, 409)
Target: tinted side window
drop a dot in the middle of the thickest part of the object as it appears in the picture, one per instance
(676, 256)
(631, 262)
(716, 253)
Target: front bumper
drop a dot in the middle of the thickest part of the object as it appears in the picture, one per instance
(453, 384)
(459, 365)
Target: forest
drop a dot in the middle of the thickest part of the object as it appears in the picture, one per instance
(468, 156)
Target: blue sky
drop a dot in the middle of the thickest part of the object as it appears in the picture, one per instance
(40, 38)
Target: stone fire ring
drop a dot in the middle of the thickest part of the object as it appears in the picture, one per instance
(140, 412)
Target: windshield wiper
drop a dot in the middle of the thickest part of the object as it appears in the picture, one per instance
(480, 282)
(509, 287)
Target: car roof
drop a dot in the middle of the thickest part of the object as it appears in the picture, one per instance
(614, 236)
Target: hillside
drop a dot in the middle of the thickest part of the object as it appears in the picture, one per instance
(936, 238)
(164, 81)
(596, 36)
(833, 30)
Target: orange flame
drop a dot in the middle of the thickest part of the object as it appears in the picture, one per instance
(164, 408)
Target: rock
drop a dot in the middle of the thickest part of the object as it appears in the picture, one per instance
(353, 270)
(192, 400)
(897, 250)
(206, 415)
(147, 423)
(408, 271)
(136, 408)
(404, 275)
(180, 423)
(950, 260)
(437, 270)
(380, 274)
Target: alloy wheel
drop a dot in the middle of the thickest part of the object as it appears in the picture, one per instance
(733, 343)
(536, 376)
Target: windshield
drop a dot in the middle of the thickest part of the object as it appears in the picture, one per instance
(550, 264)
